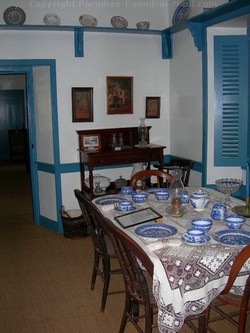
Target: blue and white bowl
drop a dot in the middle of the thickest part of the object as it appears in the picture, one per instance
(234, 221)
(139, 197)
(126, 190)
(126, 205)
(194, 235)
(201, 223)
(162, 195)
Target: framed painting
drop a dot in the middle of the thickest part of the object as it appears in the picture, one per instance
(91, 141)
(119, 94)
(82, 105)
(153, 105)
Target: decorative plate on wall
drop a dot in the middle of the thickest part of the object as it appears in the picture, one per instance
(119, 22)
(181, 13)
(14, 15)
(88, 20)
(51, 19)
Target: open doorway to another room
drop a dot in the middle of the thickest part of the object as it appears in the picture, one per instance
(15, 192)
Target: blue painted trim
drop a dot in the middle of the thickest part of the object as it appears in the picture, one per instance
(50, 224)
(167, 44)
(79, 42)
(85, 28)
(205, 112)
(198, 24)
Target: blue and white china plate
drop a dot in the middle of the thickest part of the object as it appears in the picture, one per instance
(232, 237)
(156, 230)
(110, 200)
(184, 238)
(127, 211)
(155, 189)
(181, 13)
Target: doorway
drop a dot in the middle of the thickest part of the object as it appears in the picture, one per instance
(41, 105)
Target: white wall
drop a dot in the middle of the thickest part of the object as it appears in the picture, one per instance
(186, 101)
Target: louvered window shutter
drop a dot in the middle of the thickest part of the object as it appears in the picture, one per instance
(231, 100)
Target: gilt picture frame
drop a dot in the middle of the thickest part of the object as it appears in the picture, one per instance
(119, 94)
(153, 105)
(82, 104)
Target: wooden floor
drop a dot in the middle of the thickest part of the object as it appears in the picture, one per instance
(45, 277)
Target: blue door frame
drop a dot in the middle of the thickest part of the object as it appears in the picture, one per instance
(26, 67)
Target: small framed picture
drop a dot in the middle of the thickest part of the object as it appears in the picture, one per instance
(91, 142)
(153, 105)
(82, 105)
(119, 94)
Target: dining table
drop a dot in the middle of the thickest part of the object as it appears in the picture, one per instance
(187, 276)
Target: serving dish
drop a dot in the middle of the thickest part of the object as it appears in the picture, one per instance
(51, 19)
(119, 22)
(88, 20)
(156, 230)
(232, 237)
(181, 13)
(14, 15)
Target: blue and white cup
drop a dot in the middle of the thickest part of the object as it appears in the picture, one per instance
(195, 235)
(125, 206)
(126, 190)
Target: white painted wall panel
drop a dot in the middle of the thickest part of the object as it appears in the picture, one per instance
(47, 195)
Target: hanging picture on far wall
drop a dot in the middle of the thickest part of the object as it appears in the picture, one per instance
(153, 105)
(82, 105)
(119, 94)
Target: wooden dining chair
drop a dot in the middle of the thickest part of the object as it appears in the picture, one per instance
(145, 178)
(138, 281)
(240, 304)
(103, 249)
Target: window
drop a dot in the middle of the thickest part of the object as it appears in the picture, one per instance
(231, 100)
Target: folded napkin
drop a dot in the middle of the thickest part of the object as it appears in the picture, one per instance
(162, 244)
(107, 208)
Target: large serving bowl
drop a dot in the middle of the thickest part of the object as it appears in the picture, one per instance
(201, 223)
(234, 221)
(162, 195)
(139, 197)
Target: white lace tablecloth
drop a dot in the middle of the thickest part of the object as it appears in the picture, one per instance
(187, 277)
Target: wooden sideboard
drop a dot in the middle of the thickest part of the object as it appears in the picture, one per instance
(96, 149)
